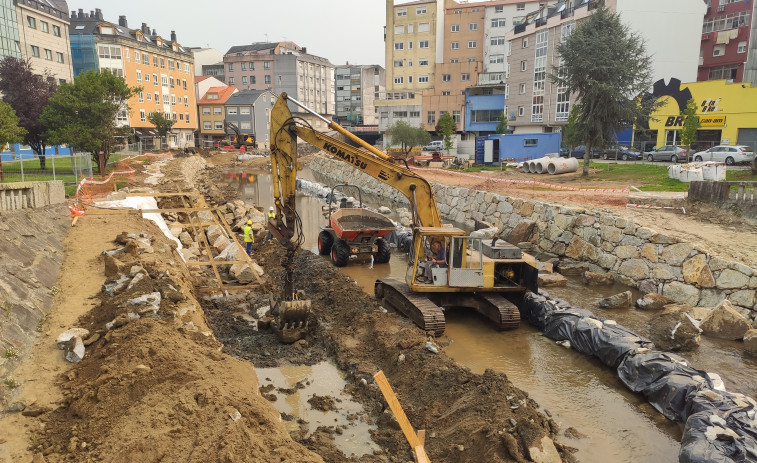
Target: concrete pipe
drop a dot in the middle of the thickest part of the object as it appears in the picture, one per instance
(541, 165)
(562, 166)
(524, 167)
(532, 165)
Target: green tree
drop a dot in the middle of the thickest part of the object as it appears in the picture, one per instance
(570, 136)
(10, 131)
(83, 113)
(162, 124)
(606, 67)
(407, 136)
(445, 128)
(502, 125)
(690, 125)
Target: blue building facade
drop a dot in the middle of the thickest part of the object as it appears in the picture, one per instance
(519, 147)
(482, 112)
(83, 53)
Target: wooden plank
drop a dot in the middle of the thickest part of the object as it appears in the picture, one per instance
(399, 413)
(218, 262)
(204, 240)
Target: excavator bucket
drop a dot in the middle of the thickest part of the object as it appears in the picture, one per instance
(291, 319)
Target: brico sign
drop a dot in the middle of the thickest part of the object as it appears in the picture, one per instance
(704, 121)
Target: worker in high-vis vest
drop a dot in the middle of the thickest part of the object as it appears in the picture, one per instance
(248, 236)
(271, 217)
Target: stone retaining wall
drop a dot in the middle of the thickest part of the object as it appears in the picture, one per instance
(637, 256)
(31, 195)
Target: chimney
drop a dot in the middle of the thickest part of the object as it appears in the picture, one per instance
(92, 14)
(81, 13)
(145, 30)
(173, 36)
(304, 50)
(73, 14)
(99, 13)
(154, 32)
(122, 21)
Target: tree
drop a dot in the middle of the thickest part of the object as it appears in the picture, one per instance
(408, 136)
(445, 128)
(606, 67)
(10, 131)
(690, 125)
(83, 113)
(162, 124)
(570, 136)
(28, 94)
(502, 125)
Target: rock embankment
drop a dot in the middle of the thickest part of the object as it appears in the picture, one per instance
(637, 256)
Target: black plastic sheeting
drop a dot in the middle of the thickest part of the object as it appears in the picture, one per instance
(720, 426)
(402, 237)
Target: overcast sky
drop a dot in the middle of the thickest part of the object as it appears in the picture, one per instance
(339, 30)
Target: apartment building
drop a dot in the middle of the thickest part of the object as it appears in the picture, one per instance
(205, 57)
(43, 36)
(162, 67)
(536, 104)
(725, 40)
(356, 89)
(212, 113)
(284, 67)
(250, 112)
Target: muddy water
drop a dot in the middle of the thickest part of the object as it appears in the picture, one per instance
(575, 390)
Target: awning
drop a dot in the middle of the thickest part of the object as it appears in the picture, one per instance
(145, 133)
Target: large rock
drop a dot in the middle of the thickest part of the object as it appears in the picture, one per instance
(681, 292)
(634, 268)
(220, 244)
(522, 232)
(552, 279)
(725, 323)
(618, 301)
(242, 273)
(64, 337)
(598, 279)
(653, 301)
(185, 238)
(674, 330)
(750, 341)
(731, 279)
(75, 350)
(485, 233)
(695, 270)
(213, 232)
(571, 267)
(113, 267)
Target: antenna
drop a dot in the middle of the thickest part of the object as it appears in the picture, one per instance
(266, 37)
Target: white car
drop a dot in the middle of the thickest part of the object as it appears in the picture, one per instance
(729, 154)
(435, 145)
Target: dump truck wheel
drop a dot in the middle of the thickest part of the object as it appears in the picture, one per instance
(340, 253)
(384, 253)
(325, 242)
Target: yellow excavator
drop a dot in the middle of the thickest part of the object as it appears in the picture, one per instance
(446, 268)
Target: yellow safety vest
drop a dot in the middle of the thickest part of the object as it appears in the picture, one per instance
(271, 215)
(247, 233)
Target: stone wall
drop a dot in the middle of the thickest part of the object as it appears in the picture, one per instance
(637, 256)
(31, 195)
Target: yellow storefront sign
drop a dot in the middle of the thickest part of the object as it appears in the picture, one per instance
(712, 121)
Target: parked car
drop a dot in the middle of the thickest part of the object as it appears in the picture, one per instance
(624, 153)
(578, 152)
(436, 145)
(670, 153)
(729, 154)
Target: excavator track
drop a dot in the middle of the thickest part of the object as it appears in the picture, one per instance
(397, 295)
(502, 312)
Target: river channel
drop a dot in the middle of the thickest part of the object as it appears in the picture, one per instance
(575, 390)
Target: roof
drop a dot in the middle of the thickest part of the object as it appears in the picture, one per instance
(199, 79)
(89, 26)
(223, 94)
(246, 97)
(417, 2)
(253, 47)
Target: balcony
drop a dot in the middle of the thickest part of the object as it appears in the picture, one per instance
(519, 28)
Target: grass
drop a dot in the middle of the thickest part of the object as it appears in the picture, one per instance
(11, 383)
(651, 177)
(11, 353)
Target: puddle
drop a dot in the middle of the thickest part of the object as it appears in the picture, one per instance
(301, 383)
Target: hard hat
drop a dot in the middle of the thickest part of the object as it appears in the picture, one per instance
(249, 222)
(270, 208)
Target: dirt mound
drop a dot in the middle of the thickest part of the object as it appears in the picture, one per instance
(468, 417)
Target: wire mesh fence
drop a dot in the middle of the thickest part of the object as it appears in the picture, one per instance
(30, 167)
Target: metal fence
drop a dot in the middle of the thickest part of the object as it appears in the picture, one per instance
(30, 167)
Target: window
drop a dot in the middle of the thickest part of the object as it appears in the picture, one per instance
(499, 9)
(157, 98)
(522, 89)
(473, 26)
(525, 43)
(232, 111)
(252, 66)
(186, 102)
(431, 117)
(109, 52)
(244, 66)
(186, 117)
(409, 80)
(231, 81)
(397, 114)
(401, 12)
(521, 111)
(530, 142)
(137, 55)
(164, 80)
(399, 29)
(723, 72)
(454, 45)
(142, 116)
(44, 27)
(244, 110)
(231, 66)
(725, 22)
(149, 97)
(415, 114)
(523, 65)
(399, 45)
(56, 30)
(35, 51)
(252, 79)
(245, 125)
(496, 59)
(445, 93)
(465, 76)
(206, 110)
(423, 44)
(499, 22)
(219, 125)
(742, 47)
(424, 27)
(472, 44)
(409, 28)
(454, 60)
(398, 63)
(171, 65)
(455, 28)
(155, 60)
(718, 50)
(486, 115)
(162, 63)
(268, 79)
(31, 22)
(540, 76)
(422, 79)
(266, 65)
(206, 125)
(399, 80)
(520, 7)
(217, 110)
(420, 10)
(422, 61)
(456, 116)
(244, 80)
(184, 83)
(410, 45)
(146, 59)
(141, 97)
(409, 64)
(139, 76)
(58, 57)
(173, 100)
(166, 100)
(446, 77)
(154, 78)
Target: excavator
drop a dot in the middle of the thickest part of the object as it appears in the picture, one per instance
(239, 138)
(472, 273)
